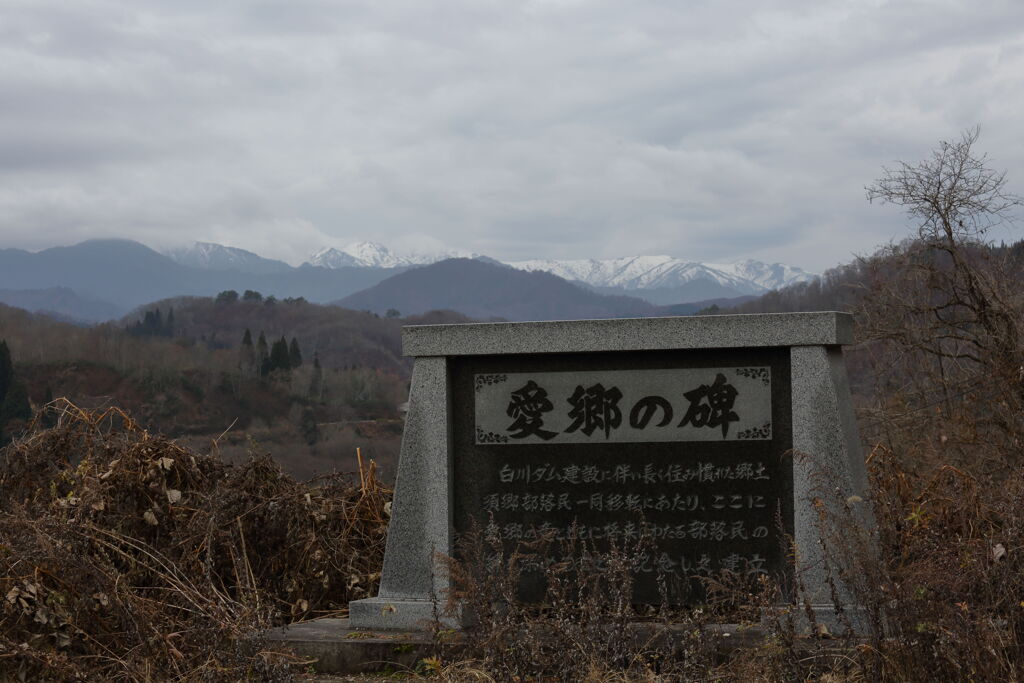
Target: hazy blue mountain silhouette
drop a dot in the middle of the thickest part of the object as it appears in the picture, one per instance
(61, 303)
(123, 272)
(128, 274)
(484, 290)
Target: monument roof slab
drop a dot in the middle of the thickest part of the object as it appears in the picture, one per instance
(635, 334)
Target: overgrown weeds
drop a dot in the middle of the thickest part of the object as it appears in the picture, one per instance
(934, 590)
(586, 627)
(126, 557)
(947, 589)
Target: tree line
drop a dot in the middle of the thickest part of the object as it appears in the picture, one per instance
(154, 324)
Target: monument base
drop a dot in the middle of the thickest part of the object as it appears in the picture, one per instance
(852, 621)
(336, 646)
(398, 614)
(407, 614)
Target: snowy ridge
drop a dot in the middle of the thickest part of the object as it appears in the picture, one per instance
(653, 272)
(629, 273)
(210, 256)
(373, 255)
(767, 275)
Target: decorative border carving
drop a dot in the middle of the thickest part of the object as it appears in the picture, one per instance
(484, 380)
(762, 432)
(763, 374)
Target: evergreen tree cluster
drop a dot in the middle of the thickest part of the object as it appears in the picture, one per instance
(230, 296)
(154, 324)
(262, 359)
(14, 403)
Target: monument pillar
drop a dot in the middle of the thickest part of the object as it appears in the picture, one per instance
(828, 468)
(412, 587)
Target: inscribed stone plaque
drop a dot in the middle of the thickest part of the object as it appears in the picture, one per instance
(677, 404)
(689, 449)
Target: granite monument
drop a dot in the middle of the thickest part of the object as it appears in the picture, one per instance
(700, 435)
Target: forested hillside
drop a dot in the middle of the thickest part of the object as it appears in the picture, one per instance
(180, 367)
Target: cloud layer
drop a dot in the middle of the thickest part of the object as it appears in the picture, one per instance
(544, 128)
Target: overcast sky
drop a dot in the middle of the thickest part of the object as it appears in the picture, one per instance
(710, 130)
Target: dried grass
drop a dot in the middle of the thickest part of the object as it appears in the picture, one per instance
(124, 556)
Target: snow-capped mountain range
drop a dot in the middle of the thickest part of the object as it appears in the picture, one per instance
(659, 272)
(660, 279)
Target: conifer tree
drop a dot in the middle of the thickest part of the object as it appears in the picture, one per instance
(316, 379)
(294, 355)
(6, 370)
(15, 404)
(247, 354)
(262, 355)
(279, 355)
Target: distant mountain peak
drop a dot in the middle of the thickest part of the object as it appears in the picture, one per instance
(374, 255)
(366, 254)
(212, 256)
(329, 257)
(767, 275)
(484, 290)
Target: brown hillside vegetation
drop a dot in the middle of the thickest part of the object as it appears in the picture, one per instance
(190, 382)
(341, 337)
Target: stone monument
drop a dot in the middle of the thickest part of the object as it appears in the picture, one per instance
(703, 434)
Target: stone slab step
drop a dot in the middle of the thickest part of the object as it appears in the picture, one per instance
(337, 648)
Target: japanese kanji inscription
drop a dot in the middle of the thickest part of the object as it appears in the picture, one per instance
(705, 404)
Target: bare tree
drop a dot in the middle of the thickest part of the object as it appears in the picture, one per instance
(954, 195)
(956, 199)
(942, 303)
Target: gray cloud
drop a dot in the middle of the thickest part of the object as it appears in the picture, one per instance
(562, 128)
